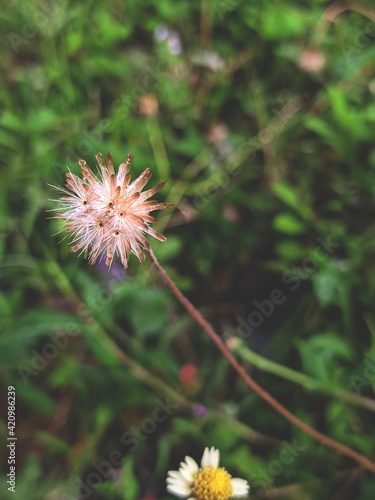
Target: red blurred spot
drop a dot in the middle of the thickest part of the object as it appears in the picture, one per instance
(188, 374)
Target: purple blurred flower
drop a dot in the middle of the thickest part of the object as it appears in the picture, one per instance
(199, 410)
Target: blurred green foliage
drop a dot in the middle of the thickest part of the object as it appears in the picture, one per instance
(261, 117)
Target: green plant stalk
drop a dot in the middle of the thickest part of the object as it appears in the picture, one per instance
(115, 353)
(309, 383)
(242, 429)
(158, 148)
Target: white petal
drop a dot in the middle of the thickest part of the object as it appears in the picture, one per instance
(179, 479)
(189, 469)
(176, 480)
(240, 487)
(182, 487)
(210, 458)
(192, 463)
(173, 473)
(180, 482)
(180, 490)
(185, 478)
(175, 477)
(204, 458)
(215, 457)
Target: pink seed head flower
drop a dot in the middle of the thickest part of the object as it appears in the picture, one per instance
(109, 215)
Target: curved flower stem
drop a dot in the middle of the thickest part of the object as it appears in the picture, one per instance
(340, 448)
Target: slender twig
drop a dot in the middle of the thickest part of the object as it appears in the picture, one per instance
(335, 9)
(340, 448)
(205, 24)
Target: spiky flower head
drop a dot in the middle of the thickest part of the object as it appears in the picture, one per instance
(107, 215)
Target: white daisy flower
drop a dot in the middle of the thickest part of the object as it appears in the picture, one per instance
(207, 482)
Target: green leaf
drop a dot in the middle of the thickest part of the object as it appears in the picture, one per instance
(279, 22)
(288, 195)
(326, 131)
(288, 224)
(170, 249)
(245, 462)
(325, 285)
(148, 312)
(187, 428)
(320, 353)
(220, 434)
(52, 443)
(130, 485)
(331, 283)
(22, 334)
(36, 398)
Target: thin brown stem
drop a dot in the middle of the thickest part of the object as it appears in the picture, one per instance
(335, 9)
(340, 448)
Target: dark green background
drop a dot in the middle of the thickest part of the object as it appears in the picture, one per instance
(264, 157)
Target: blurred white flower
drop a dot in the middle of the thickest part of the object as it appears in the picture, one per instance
(311, 60)
(208, 59)
(163, 33)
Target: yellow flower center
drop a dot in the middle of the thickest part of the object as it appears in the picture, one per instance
(212, 484)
